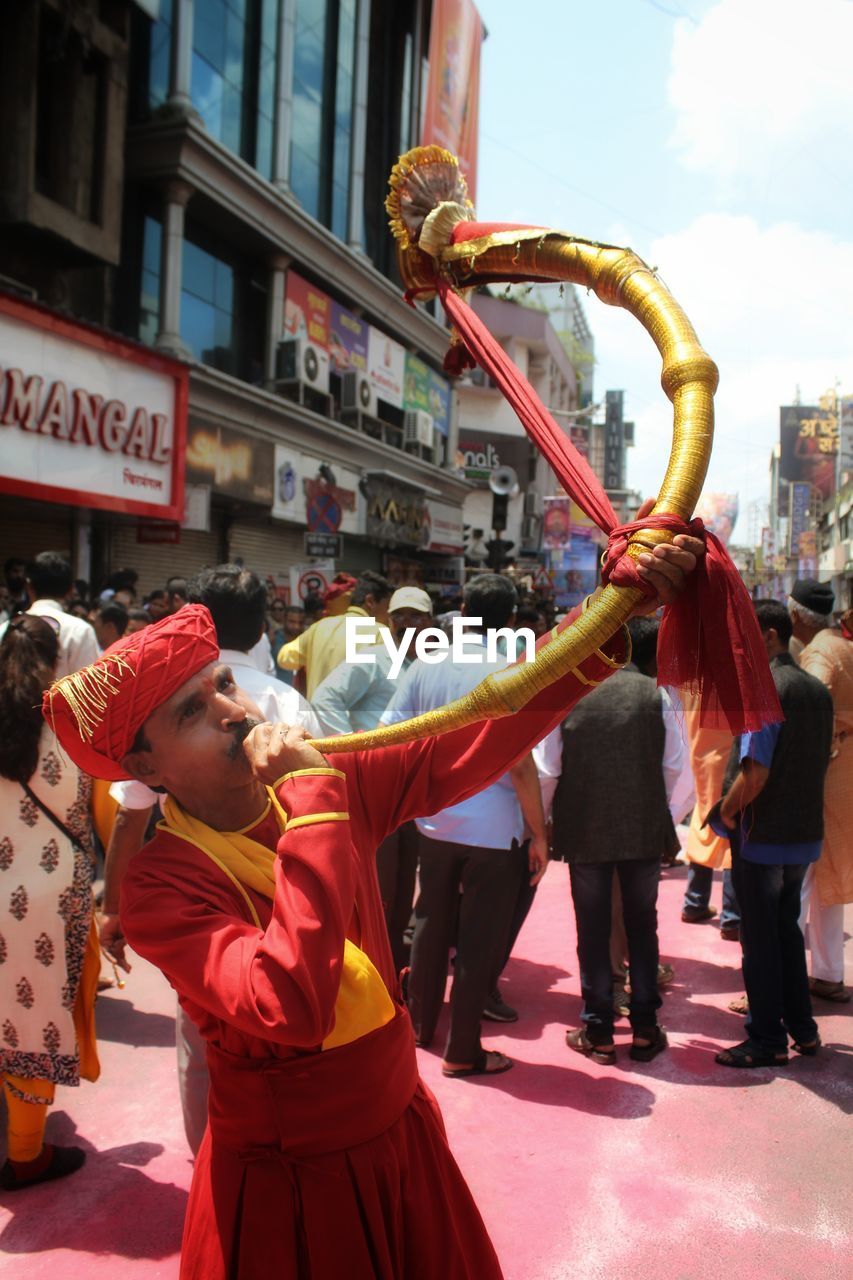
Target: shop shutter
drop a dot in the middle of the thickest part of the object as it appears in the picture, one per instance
(157, 562)
(268, 547)
(27, 529)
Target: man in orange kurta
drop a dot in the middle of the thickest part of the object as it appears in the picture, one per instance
(325, 1154)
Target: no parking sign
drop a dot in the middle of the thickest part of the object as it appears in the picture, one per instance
(310, 580)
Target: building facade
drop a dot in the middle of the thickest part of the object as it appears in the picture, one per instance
(201, 183)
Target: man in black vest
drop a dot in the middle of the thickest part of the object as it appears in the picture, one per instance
(772, 812)
(622, 755)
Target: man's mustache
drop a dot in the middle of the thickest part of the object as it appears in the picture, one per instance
(241, 732)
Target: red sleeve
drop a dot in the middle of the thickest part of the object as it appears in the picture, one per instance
(393, 785)
(278, 983)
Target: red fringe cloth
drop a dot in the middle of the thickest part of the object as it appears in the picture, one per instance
(709, 639)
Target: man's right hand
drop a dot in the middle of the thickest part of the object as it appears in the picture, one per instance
(112, 939)
(276, 749)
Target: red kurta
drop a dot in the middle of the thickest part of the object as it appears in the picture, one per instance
(333, 1163)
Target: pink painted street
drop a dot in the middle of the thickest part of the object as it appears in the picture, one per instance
(677, 1169)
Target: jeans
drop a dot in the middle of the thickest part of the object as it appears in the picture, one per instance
(592, 887)
(699, 881)
(774, 954)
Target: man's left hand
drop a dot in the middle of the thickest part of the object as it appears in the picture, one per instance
(537, 858)
(667, 566)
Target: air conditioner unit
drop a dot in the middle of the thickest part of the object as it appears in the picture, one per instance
(477, 377)
(298, 360)
(418, 428)
(357, 393)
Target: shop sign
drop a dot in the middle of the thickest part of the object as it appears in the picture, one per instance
(444, 528)
(396, 515)
(424, 389)
(483, 451)
(231, 462)
(449, 571)
(386, 367)
(154, 532)
(307, 311)
(304, 495)
(88, 419)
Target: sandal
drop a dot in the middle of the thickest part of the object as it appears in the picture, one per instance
(655, 1043)
(480, 1066)
(824, 990)
(808, 1050)
(581, 1043)
(741, 1005)
(747, 1054)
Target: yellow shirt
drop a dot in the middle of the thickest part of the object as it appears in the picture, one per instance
(323, 646)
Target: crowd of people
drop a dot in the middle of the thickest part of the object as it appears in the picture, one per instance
(256, 892)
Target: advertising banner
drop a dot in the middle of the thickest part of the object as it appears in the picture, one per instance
(89, 420)
(557, 523)
(386, 367)
(845, 439)
(439, 401)
(307, 311)
(799, 521)
(453, 88)
(348, 337)
(718, 511)
(444, 525)
(808, 439)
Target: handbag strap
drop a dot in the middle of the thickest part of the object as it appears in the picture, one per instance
(57, 822)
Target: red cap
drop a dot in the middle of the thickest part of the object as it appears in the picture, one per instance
(97, 712)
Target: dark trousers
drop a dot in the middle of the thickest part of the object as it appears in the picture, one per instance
(488, 879)
(592, 888)
(523, 900)
(698, 893)
(774, 954)
(396, 867)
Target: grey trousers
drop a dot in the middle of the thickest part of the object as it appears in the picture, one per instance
(193, 1080)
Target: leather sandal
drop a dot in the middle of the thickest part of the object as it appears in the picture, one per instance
(747, 1055)
(655, 1043)
(480, 1066)
(581, 1043)
(808, 1050)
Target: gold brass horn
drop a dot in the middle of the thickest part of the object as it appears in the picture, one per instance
(428, 201)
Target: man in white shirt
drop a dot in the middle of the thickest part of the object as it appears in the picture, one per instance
(49, 582)
(476, 846)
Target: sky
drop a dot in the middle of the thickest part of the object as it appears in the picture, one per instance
(713, 137)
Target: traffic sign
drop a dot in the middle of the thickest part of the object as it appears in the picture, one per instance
(323, 513)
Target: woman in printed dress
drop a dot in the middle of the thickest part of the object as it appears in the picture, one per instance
(49, 959)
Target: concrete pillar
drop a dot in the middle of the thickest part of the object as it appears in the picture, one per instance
(179, 100)
(171, 262)
(275, 314)
(284, 97)
(359, 128)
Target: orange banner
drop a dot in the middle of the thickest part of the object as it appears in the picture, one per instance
(453, 88)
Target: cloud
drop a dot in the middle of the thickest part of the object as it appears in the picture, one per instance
(771, 306)
(756, 82)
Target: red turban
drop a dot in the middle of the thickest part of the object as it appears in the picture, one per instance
(97, 712)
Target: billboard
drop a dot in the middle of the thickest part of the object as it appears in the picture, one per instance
(808, 447)
(453, 88)
(347, 340)
(424, 389)
(386, 367)
(718, 512)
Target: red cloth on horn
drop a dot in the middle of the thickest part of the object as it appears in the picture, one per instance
(710, 639)
(97, 712)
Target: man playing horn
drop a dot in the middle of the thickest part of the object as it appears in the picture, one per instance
(325, 1154)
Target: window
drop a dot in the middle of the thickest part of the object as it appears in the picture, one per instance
(149, 292)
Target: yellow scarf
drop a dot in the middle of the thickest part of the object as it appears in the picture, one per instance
(363, 1002)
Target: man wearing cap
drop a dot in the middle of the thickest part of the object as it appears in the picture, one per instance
(322, 646)
(828, 654)
(325, 1155)
(352, 698)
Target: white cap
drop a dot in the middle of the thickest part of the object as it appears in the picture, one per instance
(410, 598)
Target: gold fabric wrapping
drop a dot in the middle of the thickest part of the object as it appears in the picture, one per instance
(689, 379)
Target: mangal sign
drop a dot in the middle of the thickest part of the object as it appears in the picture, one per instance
(88, 419)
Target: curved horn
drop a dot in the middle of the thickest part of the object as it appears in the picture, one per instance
(427, 205)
